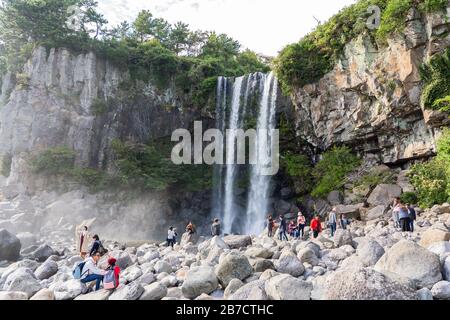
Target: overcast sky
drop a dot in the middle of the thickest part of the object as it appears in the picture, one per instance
(264, 26)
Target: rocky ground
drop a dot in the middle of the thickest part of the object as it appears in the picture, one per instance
(370, 260)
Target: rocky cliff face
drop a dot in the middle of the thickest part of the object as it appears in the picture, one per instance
(54, 102)
(371, 100)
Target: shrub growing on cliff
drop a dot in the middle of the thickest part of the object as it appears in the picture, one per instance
(429, 6)
(58, 160)
(331, 170)
(299, 168)
(435, 75)
(393, 18)
(432, 179)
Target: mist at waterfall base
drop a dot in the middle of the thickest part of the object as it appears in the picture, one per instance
(239, 101)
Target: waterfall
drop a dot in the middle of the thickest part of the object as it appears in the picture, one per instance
(229, 205)
(252, 97)
(220, 124)
(258, 198)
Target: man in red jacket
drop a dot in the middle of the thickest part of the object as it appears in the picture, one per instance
(316, 226)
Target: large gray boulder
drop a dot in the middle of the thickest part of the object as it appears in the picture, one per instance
(383, 194)
(259, 252)
(233, 266)
(44, 294)
(342, 238)
(163, 266)
(413, 262)
(440, 248)
(199, 280)
(238, 241)
(68, 290)
(261, 265)
(286, 287)
(130, 274)
(42, 253)
(233, 286)
(433, 235)
(251, 291)
(154, 291)
(364, 284)
(99, 295)
(375, 213)
(290, 264)
(369, 252)
(24, 280)
(441, 290)
(307, 255)
(9, 246)
(46, 270)
(131, 291)
(446, 268)
(13, 295)
(335, 198)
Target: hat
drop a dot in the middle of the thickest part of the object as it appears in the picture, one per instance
(112, 261)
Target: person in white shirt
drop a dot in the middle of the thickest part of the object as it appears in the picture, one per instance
(91, 272)
(171, 236)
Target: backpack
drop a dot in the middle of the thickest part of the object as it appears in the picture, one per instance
(109, 280)
(78, 271)
(102, 250)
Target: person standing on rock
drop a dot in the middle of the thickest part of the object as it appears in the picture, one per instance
(171, 236)
(91, 272)
(332, 221)
(395, 213)
(301, 223)
(83, 241)
(270, 225)
(215, 228)
(343, 221)
(404, 217)
(291, 229)
(412, 216)
(316, 226)
(282, 229)
(190, 228)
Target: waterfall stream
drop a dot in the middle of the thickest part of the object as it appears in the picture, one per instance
(252, 105)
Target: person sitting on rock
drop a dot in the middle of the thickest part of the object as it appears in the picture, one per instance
(316, 226)
(95, 245)
(91, 272)
(111, 278)
(215, 228)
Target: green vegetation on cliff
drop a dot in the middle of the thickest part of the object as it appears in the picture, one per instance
(150, 47)
(432, 179)
(315, 55)
(141, 166)
(436, 77)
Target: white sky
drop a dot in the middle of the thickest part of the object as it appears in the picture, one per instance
(264, 26)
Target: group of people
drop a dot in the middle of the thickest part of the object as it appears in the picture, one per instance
(88, 268)
(216, 230)
(403, 215)
(296, 228)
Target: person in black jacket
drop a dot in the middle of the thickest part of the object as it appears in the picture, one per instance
(283, 227)
(96, 245)
(412, 216)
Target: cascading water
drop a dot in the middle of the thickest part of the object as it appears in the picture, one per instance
(229, 210)
(252, 96)
(259, 183)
